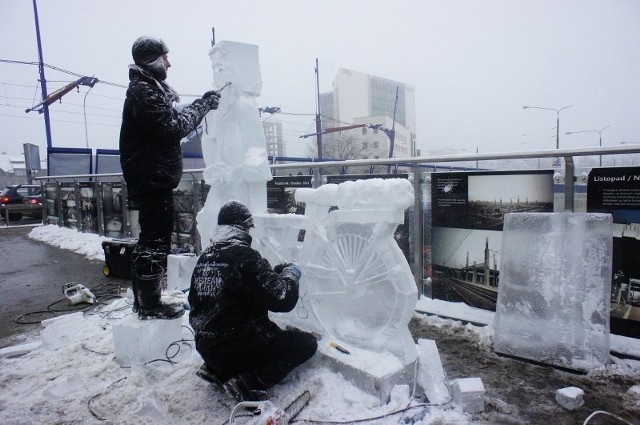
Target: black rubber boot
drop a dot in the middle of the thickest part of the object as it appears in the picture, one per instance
(148, 287)
(151, 307)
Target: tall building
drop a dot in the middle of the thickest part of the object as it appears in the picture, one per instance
(273, 136)
(359, 98)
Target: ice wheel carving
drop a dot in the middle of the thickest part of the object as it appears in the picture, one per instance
(356, 284)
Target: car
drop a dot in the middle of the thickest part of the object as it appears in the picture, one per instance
(22, 200)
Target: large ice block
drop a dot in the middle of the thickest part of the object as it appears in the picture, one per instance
(553, 295)
(138, 341)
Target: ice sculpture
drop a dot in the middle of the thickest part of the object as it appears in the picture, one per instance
(553, 298)
(233, 142)
(357, 286)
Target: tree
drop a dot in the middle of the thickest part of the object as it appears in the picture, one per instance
(340, 146)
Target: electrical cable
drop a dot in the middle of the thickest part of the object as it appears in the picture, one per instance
(169, 358)
(355, 421)
(103, 293)
(94, 414)
(602, 412)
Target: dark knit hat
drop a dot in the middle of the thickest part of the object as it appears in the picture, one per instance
(235, 213)
(146, 50)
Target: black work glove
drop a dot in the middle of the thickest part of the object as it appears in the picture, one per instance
(280, 267)
(211, 98)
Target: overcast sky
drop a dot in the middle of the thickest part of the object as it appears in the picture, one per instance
(474, 64)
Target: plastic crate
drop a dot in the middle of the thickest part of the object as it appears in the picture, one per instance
(117, 254)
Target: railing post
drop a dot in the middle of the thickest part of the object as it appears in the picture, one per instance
(126, 213)
(569, 169)
(59, 202)
(418, 258)
(99, 207)
(78, 200)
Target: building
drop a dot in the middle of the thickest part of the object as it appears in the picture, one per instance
(273, 137)
(359, 98)
(12, 170)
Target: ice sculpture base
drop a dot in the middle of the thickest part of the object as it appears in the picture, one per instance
(372, 372)
(138, 341)
(554, 293)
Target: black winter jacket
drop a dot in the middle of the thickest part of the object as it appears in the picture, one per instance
(151, 131)
(232, 290)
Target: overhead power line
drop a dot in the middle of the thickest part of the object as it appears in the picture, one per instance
(55, 68)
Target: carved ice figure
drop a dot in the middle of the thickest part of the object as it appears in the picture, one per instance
(233, 142)
(357, 286)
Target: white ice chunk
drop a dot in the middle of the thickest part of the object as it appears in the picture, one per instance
(468, 394)
(61, 331)
(18, 350)
(138, 341)
(179, 270)
(555, 285)
(62, 387)
(634, 391)
(400, 396)
(431, 376)
(571, 398)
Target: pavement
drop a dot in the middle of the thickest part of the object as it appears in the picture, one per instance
(32, 275)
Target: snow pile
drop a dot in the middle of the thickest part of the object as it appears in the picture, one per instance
(81, 380)
(87, 244)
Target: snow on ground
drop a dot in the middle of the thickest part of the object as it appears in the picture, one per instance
(70, 375)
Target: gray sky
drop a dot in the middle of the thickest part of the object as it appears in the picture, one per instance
(473, 63)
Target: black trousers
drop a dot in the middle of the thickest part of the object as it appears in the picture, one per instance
(156, 218)
(262, 360)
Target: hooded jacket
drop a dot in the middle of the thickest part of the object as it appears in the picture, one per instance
(232, 290)
(151, 131)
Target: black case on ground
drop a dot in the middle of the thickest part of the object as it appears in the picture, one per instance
(117, 254)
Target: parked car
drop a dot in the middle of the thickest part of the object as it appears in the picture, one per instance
(22, 200)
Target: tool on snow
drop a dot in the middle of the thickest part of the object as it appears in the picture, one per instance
(268, 414)
(77, 293)
(339, 348)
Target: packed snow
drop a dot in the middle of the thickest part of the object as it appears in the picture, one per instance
(70, 375)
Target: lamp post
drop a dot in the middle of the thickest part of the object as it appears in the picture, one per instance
(592, 131)
(557, 119)
(84, 109)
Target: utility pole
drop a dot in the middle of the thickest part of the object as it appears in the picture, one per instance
(318, 119)
(392, 133)
(43, 80)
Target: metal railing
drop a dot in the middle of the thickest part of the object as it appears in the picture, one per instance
(418, 166)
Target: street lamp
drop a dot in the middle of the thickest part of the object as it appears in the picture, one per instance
(592, 131)
(557, 119)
